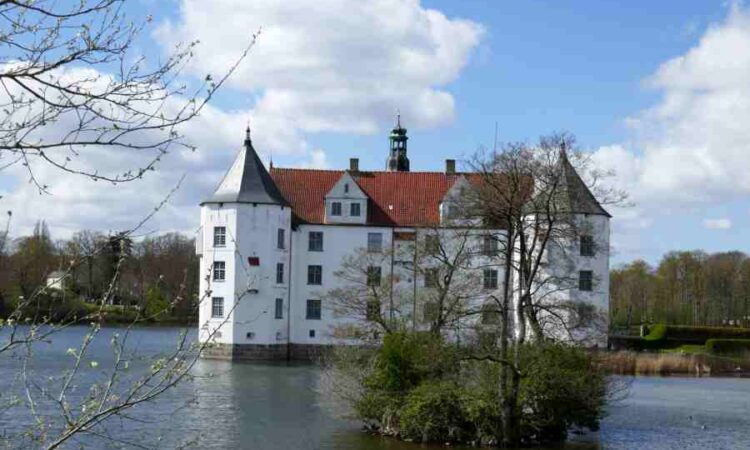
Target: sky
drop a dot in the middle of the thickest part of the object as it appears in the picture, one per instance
(657, 92)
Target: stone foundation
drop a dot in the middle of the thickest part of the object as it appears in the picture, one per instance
(261, 352)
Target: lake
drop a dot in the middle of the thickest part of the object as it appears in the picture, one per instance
(277, 406)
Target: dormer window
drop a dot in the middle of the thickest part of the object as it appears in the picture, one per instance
(336, 208)
(354, 210)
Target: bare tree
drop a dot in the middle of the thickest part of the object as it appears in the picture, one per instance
(73, 83)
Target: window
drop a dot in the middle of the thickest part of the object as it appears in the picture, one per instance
(430, 311)
(250, 335)
(220, 236)
(279, 273)
(585, 280)
(431, 278)
(490, 279)
(280, 238)
(373, 310)
(279, 308)
(311, 333)
(336, 208)
(354, 210)
(489, 246)
(346, 188)
(373, 276)
(315, 275)
(490, 315)
(313, 310)
(432, 244)
(315, 241)
(217, 307)
(220, 270)
(253, 261)
(587, 245)
(374, 242)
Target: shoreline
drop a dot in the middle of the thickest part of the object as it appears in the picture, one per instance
(626, 362)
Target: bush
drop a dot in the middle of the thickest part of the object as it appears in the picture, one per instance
(565, 389)
(728, 346)
(433, 413)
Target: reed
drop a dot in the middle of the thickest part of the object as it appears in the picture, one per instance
(642, 363)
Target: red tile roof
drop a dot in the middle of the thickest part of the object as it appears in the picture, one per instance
(396, 198)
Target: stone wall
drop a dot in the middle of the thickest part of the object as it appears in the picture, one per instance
(261, 352)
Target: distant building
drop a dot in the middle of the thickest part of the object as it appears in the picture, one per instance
(56, 280)
(274, 240)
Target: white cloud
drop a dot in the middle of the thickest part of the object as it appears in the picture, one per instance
(695, 143)
(333, 65)
(717, 224)
(314, 69)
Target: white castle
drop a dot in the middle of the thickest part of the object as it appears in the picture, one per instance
(272, 243)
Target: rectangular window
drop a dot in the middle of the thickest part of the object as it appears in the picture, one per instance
(373, 276)
(585, 280)
(280, 238)
(354, 210)
(279, 308)
(431, 278)
(217, 307)
(313, 310)
(489, 246)
(279, 273)
(311, 333)
(220, 236)
(220, 270)
(489, 280)
(315, 275)
(430, 311)
(374, 242)
(336, 208)
(432, 244)
(315, 241)
(373, 310)
(587, 245)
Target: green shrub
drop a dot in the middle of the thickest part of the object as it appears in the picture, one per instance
(566, 389)
(432, 413)
(656, 333)
(705, 333)
(728, 346)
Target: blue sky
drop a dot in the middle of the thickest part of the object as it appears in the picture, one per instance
(654, 90)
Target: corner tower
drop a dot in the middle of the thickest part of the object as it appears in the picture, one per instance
(397, 159)
(244, 243)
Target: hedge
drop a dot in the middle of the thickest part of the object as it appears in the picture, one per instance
(728, 346)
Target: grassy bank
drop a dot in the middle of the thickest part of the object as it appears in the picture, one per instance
(698, 362)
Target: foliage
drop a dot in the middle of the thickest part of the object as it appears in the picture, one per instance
(156, 303)
(563, 388)
(422, 388)
(686, 288)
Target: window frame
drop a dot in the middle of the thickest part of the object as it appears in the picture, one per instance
(314, 275)
(217, 303)
(279, 273)
(352, 207)
(371, 270)
(371, 248)
(310, 241)
(489, 245)
(586, 283)
(317, 311)
(223, 236)
(278, 311)
(490, 279)
(432, 244)
(219, 267)
(432, 277)
(280, 239)
(336, 209)
(586, 245)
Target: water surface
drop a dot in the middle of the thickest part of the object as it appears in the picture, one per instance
(278, 406)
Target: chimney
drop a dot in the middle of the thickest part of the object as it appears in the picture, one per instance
(354, 164)
(450, 166)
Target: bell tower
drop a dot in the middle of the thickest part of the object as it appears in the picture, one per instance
(397, 159)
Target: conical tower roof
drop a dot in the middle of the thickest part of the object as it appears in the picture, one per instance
(247, 181)
(580, 198)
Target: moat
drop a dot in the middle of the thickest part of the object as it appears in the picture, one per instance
(279, 406)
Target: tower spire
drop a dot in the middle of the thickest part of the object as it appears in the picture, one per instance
(397, 159)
